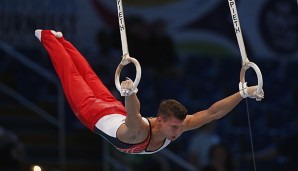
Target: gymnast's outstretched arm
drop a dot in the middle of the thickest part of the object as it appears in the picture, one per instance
(216, 111)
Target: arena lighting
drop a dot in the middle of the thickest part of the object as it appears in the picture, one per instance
(36, 168)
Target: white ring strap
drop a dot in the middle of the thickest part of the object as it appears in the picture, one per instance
(122, 28)
(236, 23)
(126, 59)
(245, 62)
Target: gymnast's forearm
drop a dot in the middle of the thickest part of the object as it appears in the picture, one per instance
(132, 105)
(224, 106)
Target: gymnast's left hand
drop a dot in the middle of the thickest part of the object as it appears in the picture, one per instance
(127, 87)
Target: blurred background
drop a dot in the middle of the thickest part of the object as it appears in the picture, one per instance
(188, 51)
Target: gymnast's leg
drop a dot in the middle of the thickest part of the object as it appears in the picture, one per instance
(87, 72)
(79, 95)
(106, 104)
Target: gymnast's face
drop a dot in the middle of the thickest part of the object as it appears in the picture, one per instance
(170, 127)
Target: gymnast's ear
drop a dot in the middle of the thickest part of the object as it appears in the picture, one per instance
(159, 119)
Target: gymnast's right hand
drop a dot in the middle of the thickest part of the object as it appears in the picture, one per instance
(127, 87)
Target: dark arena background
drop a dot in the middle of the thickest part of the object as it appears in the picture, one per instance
(188, 51)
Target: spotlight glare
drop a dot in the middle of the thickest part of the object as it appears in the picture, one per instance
(36, 168)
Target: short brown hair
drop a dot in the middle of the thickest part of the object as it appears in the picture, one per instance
(172, 108)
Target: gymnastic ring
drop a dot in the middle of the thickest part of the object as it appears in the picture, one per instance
(258, 73)
(124, 62)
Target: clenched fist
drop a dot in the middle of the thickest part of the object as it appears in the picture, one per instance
(127, 87)
(250, 92)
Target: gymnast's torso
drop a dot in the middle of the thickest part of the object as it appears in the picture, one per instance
(107, 127)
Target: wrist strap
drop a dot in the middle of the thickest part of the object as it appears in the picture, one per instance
(243, 89)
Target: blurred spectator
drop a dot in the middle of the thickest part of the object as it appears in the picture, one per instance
(151, 45)
(200, 144)
(108, 56)
(104, 41)
(138, 41)
(164, 60)
(163, 53)
(220, 159)
(11, 151)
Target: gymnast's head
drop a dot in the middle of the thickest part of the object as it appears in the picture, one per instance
(171, 109)
(170, 117)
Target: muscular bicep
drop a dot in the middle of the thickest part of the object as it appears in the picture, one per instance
(134, 121)
(135, 133)
(197, 120)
